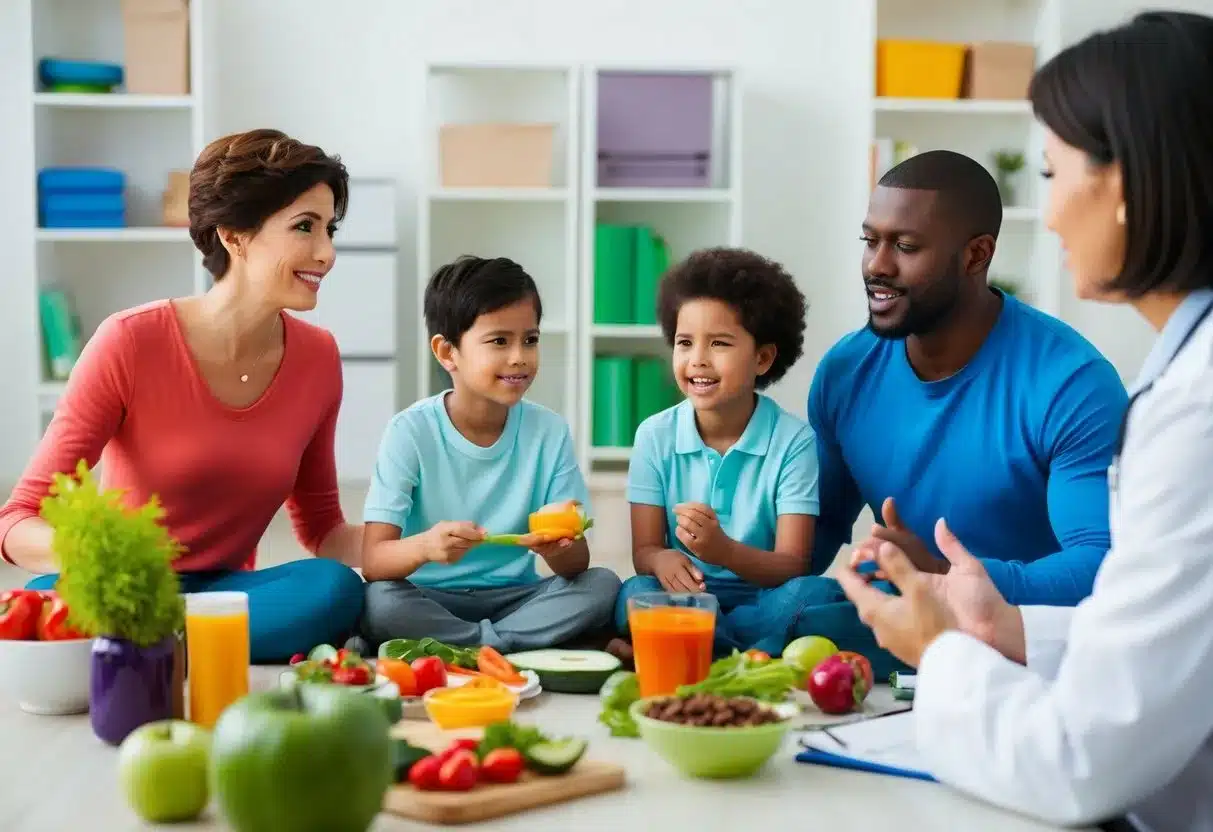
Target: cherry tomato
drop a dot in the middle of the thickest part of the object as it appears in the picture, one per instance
(430, 673)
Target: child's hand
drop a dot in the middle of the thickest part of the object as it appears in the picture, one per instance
(699, 530)
(675, 572)
(450, 541)
(544, 545)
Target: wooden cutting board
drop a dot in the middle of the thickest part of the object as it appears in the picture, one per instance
(491, 800)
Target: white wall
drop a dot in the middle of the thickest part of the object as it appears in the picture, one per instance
(808, 79)
(805, 118)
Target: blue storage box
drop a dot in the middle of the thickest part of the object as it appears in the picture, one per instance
(59, 72)
(82, 211)
(81, 198)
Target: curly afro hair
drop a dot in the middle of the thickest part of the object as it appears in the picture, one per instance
(770, 306)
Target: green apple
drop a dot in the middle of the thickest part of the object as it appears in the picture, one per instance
(315, 758)
(807, 652)
(162, 767)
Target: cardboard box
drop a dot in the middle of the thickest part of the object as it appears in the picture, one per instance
(175, 202)
(999, 71)
(157, 40)
(496, 155)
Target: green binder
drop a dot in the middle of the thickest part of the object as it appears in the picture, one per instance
(614, 402)
(655, 387)
(652, 260)
(60, 333)
(614, 263)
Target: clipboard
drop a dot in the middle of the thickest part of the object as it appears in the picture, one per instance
(881, 745)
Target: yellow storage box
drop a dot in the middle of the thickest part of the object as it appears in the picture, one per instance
(919, 69)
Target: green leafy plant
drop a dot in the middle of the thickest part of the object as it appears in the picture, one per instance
(1008, 161)
(116, 573)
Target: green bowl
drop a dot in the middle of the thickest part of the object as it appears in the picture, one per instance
(715, 753)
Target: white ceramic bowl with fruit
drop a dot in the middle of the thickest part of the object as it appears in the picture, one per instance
(47, 677)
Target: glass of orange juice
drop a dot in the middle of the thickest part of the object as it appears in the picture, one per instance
(672, 636)
(217, 648)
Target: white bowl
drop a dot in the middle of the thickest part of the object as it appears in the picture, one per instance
(47, 677)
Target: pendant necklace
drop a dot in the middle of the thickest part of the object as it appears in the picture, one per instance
(245, 376)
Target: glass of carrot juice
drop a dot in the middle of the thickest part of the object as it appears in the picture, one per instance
(217, 648)
(672, 636)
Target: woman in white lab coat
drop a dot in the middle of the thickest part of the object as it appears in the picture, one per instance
(1103, 712)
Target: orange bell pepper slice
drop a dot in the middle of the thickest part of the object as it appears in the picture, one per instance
(559, 520)
(492, 663)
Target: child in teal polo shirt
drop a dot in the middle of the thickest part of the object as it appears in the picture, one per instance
(472, 461)
(723, 486)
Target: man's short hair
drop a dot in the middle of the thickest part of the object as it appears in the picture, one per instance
(966, 189)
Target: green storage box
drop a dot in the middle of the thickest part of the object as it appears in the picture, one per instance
(614, 265)
(655, 387)
(614, 401)
(652, 260)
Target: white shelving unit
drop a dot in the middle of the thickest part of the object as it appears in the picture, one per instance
(145, 136)
(686, 218)
(537, 227)
(1026, 253)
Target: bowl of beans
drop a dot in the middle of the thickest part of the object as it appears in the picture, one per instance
(710, 736)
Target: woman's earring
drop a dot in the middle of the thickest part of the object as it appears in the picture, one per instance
(1120, 213)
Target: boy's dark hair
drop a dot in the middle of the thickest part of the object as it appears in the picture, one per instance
(1138, 96)
(967, 191)
(769, 304)
(462, 291)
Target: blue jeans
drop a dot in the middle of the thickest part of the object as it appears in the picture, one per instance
(292, 607)
(829, 613)
(750, 615)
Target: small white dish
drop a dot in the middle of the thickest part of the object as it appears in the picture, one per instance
(48, 678)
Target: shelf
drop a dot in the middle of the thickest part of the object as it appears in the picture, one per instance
(112, 101)
(610, 454)
(945, 106)
(499, 194)
(114, 235)
(626, 331)
(722, 196)
(1020, 214)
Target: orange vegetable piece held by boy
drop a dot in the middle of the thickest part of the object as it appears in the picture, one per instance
(560, 520)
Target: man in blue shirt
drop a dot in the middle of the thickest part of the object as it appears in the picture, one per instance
(958, 401)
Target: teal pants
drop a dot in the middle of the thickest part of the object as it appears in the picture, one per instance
(292, 607)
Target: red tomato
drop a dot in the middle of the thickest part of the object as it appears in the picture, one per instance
(459, 772)
(502, 765)
(424, 773)
(430, 673)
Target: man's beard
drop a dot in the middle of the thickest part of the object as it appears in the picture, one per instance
(925, 310)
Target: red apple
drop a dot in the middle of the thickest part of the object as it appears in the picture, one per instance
(837, 686)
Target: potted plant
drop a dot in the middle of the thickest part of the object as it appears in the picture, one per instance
(116, 576)
(1008, 163)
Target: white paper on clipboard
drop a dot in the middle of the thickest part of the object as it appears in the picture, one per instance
(887, 741)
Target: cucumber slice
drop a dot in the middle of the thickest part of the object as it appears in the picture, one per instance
(568, 671)
(321, 652)
(555, 756)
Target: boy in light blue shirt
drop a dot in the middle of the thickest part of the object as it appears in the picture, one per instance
(723, 486)
(471, 462)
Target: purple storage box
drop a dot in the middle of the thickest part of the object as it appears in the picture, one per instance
(655, 130)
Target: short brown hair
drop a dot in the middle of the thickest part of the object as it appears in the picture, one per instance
(240, 180)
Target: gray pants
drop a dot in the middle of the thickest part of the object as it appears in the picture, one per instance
(509, 618)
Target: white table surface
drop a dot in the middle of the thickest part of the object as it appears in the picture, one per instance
(55, 776)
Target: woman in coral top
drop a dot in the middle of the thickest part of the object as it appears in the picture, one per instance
(221, 404)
